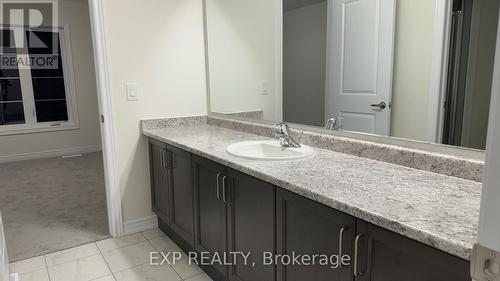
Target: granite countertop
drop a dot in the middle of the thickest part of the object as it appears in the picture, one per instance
(437, 210)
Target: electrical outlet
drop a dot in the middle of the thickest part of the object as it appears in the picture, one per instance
(132, 92)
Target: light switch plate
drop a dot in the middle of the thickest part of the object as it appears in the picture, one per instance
(265, 88)
(132, 92)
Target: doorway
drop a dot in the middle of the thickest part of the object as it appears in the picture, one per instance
(470, 72)
(53, 188)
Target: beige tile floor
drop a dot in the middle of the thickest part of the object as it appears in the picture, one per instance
(122, 259)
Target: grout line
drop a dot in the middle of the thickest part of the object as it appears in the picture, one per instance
(154, 237)
(112, 276)
(30, 271)
(106, 262)
(75, 259)
(121, 247)
(202, 273)
(160, 250)
(113, 273)
(48, 274)
(192, 277)
(142, 264)
(46, 267)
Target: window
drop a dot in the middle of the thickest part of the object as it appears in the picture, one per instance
(36, 82)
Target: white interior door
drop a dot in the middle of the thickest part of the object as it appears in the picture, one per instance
(360, 60)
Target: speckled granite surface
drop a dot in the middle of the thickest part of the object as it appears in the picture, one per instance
(437, 210)
(422, 160)
(150, 124)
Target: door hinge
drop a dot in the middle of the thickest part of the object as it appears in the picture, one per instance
(485, 264)
(102, 118)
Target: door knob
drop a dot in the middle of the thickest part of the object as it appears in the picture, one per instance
(381, 105)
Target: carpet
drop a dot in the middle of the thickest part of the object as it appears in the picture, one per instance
(52, 204)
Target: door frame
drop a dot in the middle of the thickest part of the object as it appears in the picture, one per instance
(439, 70)
(471, 64)
(279, 60)
(489, 225)
(108, 132)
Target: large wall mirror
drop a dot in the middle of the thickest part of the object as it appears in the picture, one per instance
(413, 69)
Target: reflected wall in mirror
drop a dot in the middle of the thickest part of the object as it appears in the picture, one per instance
(419, 70)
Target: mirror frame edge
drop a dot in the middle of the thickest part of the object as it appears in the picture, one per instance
(460, 152)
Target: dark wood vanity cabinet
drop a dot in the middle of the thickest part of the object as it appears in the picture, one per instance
(234, 213)
(307, 227)
(210, 211)
(172, 188)
(207, 207)
(386, 256)
(160, 185)
(181, 181)
(251, 226)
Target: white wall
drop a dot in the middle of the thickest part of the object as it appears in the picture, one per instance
(412, 67)
(159, 45)
(304, 64)
(242, 54)
(75, 14)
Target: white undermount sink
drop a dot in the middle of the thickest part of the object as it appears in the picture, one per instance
(268, 151)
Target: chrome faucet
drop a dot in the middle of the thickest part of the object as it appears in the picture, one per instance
(283, 134)
(331, 124)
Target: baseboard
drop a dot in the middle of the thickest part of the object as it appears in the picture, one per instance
(49, 154)
(138, 225)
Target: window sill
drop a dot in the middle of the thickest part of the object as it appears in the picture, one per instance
(45, 128)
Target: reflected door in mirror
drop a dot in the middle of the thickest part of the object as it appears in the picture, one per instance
(360, 56)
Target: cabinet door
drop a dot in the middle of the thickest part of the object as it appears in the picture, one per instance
(251, 226)
(210, 214)
(386, 256)
(182, 193)
(310, 228)
(160, 185)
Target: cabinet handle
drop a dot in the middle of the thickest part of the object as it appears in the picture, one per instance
(341, 242)
(356, 250)
(224, 189)
(218, 186)
(162, 158)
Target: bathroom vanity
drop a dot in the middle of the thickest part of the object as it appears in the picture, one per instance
(395, 223)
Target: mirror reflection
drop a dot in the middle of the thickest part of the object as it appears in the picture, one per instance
(419, 70)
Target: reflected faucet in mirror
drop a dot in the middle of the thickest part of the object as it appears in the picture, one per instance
(331, 124)
(284, 136)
